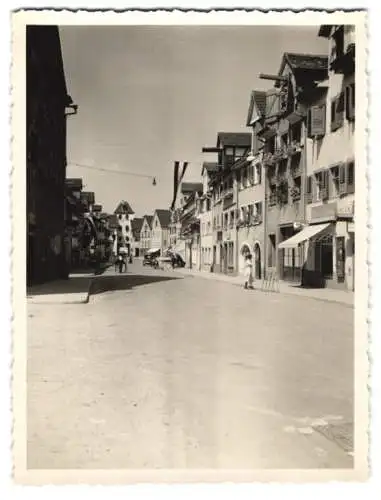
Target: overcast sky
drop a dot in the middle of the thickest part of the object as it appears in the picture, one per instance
(150, 95)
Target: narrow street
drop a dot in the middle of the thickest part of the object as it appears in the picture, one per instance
(167, 371)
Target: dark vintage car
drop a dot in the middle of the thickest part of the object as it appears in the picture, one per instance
(150, 259)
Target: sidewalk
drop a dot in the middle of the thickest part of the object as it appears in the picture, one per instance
(75, 290)
(324, 294)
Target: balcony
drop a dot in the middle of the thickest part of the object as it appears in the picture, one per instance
(342, 59)
(280, 154)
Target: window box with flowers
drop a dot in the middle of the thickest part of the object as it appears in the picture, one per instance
(295, 193)
(268, 159)
(282, 192)
(255, 220)
(294, 148)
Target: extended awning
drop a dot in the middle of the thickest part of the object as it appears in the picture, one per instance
(153, 250)
(305, 234)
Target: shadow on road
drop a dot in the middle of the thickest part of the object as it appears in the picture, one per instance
(75, 284)
(105, 283)
(78, 282)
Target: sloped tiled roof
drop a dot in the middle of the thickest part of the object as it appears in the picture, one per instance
(325, 30)
(258, 99)
(149, 219)
(164, 217)
(124, 208)
(240, 139)
(113, 220)
(210, 167)
(74, 184)
(136, 224)
(191, 187)
(304, 61)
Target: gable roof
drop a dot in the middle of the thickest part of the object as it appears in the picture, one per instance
(113, 221)
(149, 219)
(325, 30)
(304, 61)
(124, 208)
(164, 217)
(191, 187)
(210, 167)
(74, 184)
(258, 101)
(240, 139)
(136, 224)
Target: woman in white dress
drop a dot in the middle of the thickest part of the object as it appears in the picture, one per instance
(248, 272)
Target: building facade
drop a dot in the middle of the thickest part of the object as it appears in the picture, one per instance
(136, 226)
(284, 134)
(47, 104)
(329, 257)
(160, 230)
(231, 149)
(125, 215)
(204, 214)
(146, 234)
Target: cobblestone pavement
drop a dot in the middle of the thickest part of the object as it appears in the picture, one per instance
(188, 373)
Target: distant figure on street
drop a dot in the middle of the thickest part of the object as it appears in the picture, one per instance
(248, 272)
(173, 261)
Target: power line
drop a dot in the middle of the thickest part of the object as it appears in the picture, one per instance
(111, 171)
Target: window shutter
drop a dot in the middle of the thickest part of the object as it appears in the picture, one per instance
(340, 109)
(309, 189)
(259, 209)
(350, 102)
(324, 186)
(343, 179)
(317, 121)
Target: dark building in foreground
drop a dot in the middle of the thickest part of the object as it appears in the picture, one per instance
(47, 107)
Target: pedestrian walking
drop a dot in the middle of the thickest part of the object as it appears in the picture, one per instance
(248, 272)
(121, 263)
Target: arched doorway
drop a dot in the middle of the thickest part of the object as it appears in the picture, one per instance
(245, 250)
(257, 262)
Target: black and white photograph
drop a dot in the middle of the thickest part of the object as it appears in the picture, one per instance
(194, 293)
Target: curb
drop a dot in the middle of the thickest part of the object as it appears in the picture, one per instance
(290, 294)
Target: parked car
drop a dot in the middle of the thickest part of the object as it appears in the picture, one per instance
(150, 259)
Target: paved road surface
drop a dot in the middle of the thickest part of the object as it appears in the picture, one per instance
(188, 373)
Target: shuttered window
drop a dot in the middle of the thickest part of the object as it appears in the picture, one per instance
(309, 189)
(337, 112)
(316, 121)
(351, 177)
(343, 179)
(350, 95)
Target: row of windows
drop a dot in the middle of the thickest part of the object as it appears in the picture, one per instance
(342, 105)
(247, 176)
(336, 181)
(244, 213)
(292, 136)
(206, 256)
